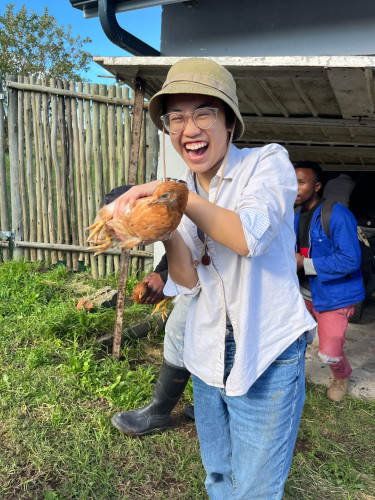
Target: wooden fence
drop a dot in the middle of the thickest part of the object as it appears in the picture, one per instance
(69, 144)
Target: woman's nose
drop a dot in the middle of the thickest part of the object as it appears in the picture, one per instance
(190, 127)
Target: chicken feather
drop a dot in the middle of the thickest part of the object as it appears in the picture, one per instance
(151, 219)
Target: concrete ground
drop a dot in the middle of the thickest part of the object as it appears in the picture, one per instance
(360, 351)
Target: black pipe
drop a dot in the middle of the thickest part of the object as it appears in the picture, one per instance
(118, 35)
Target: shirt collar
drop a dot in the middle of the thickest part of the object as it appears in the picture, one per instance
(234, 160)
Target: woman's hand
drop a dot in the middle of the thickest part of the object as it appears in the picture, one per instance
(130, 197)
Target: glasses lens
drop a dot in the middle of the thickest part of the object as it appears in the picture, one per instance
(205, 117)
(174, 122)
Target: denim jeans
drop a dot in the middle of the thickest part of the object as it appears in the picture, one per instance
(247, 441)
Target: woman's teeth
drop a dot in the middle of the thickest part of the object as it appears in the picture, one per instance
(196, 145)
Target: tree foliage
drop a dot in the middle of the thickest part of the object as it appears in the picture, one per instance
(34, 45)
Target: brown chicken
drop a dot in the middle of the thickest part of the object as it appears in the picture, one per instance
(138, 296)
(151, 219)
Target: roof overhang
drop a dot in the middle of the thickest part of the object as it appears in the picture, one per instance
(320, 108)
(90, 7)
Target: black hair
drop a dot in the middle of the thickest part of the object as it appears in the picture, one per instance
(312, 165)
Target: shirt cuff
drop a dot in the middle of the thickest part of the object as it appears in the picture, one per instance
(254, 224)
(308, 267)
(171, 289)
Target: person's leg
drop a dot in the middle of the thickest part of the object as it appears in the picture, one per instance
(264, 425)
(332, 326)
(170, 385)
(175, 332)
(212, 422)
(247, 442)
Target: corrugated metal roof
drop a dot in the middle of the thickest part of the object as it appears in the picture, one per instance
(320, 108)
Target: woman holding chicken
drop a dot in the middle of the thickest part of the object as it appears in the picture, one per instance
(233, 253)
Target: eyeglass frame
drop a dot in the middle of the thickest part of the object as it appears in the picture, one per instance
(189, 113)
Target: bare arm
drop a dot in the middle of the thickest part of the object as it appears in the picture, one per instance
(221, 224)
(180, 262)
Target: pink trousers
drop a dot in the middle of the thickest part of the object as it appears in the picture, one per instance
(332, 326)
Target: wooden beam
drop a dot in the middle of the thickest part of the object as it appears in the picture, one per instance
(310, 121)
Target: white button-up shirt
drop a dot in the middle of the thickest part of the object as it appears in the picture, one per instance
(259, 292)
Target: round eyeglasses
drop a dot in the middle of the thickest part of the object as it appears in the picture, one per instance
(203, 118)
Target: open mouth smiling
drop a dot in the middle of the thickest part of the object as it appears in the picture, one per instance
(196, 149)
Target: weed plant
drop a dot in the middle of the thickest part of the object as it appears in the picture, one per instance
(59, 389)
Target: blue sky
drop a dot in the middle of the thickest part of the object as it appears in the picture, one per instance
(143, 23)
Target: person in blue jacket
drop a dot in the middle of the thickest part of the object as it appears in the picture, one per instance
(328, 270)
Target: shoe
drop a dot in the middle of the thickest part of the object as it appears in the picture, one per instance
(155, 416)
(338, 389)
(189, 411)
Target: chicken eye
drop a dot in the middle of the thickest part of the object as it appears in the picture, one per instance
(165, 195)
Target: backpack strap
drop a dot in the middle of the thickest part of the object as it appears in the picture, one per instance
(327, 207)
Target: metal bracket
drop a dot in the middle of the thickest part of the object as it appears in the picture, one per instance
(7, 235)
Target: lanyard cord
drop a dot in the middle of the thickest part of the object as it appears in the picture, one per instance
(204, 248)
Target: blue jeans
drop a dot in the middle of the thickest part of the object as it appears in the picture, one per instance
(247, 441)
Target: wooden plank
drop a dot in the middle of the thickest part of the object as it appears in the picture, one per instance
(82, 168)
(70, 177)
(99, 187)
(71, 93)
(350, 88)
(30, 172)
(89, 176)
(64, 174)
(15, 195)
(57, 168)
(49, 175)
(4, 218)
(21, 164)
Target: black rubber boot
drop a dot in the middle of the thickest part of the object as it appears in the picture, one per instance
(169, 387)
(189, 411)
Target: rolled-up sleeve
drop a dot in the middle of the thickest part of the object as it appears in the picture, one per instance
(267, 198)
(171, 289)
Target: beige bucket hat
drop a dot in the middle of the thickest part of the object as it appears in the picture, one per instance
(198, 76)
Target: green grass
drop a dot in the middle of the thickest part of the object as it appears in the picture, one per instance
(58, 391)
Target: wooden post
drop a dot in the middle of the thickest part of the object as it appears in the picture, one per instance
(14, 177)
(124, 260)
(4, 219)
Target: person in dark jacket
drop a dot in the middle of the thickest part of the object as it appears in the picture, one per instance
(328, 270)
(173, 375)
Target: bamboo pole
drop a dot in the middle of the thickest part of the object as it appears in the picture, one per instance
(42, 169)
(82, 169)
(112, 160)
(39, 208)
(48, 157)
(70, 181)
(152, 149)
(89, 159)
(64, 173)
(104, 136)
(56, 167)
(74, 248)
(99, 188)
(120, 140)
(76, 166)
(4, 218)
(73, 94)
(14, 178)
(124, 261)
(32, 220)
(127, 138)
(21, 165)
